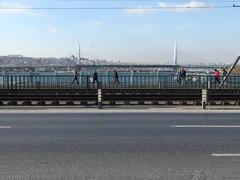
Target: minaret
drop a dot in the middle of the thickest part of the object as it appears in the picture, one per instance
(79, 55)
(175, 54)
(78, 64)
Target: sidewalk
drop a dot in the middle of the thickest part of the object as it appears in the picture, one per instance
(120, 109)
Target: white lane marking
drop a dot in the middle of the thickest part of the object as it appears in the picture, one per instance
(5, 127)
(226, 155)
(205, 126)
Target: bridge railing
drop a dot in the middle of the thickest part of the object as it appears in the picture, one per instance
(138, 81)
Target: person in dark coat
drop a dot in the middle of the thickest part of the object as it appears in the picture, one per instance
(75, 75)
(95, 77)
(224, 72)
(116, 77)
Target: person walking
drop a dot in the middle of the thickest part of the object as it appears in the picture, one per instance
(75, 75)
(116, 77)
(217, 76)
(95, 77)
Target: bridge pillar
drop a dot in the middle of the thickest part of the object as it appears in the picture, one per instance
(204, 98)
(99, 98)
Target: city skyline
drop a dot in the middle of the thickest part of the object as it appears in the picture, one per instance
(133, 33)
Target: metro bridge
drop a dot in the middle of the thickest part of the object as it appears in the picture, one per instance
(135, 89)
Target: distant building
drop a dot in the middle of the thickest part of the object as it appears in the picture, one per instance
(15, 56)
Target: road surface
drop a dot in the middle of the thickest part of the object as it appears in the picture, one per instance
(122, 146)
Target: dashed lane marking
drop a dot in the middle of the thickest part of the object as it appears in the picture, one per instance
(5, 127)
(226, 155)
(205, 126)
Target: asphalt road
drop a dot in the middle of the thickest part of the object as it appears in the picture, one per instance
(126, 146)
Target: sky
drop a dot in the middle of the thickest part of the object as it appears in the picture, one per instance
(132, 31)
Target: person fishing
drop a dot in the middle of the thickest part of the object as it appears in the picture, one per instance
(181, 76)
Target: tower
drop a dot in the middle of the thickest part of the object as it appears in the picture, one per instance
(175, 54)
(78, 63)
(79, 53)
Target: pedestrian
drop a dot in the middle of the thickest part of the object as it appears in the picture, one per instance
(95, 77)
(182, 75)
(116, 77)
(75, 75)
(224, 72)
(217, 76)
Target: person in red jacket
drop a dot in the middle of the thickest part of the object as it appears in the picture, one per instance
(217, 76)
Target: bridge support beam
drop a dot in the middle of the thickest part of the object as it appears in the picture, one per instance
(204, 98)
(99, 98)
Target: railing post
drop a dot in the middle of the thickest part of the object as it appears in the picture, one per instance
(11, 82)
(125, 81)
(80, 78)
(15, 82)
(204, 98)
(131, 78)
(20, 82)
(209, 79)
(7, 81)
(87, 81)
(107, 82)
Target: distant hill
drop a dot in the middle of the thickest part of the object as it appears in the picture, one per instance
(20, 61)
(236, 70)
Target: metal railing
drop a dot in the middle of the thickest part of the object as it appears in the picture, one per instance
(136, 81)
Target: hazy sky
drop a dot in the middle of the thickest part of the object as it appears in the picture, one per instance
(130, 35)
